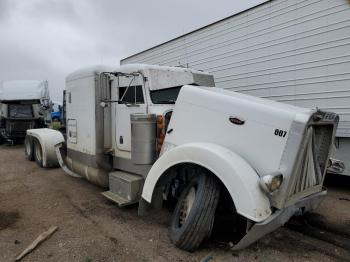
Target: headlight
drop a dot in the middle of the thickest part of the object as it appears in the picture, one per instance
(271, 183)
(335, 166)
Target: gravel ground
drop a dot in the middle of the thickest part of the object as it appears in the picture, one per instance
(94, 229)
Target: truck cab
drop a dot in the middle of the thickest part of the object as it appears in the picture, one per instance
(23, 105)
(104, 111)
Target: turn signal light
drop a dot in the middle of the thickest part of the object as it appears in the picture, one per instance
(160, 122)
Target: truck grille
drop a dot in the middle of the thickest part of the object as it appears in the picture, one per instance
(311, 171)
(18, 128)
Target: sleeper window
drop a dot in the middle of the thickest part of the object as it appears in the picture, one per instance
(134, 94)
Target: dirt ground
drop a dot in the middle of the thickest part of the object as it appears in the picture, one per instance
(94, 229)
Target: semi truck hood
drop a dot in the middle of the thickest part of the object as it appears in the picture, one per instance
(216, 113)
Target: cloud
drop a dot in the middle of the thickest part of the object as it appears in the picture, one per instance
(62, 10)
(48, 39)
(4, 9)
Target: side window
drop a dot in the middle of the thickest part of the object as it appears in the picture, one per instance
(131, 95)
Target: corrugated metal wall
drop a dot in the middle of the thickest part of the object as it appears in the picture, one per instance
(293, 51)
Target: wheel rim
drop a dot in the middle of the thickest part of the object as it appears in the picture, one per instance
(187, 205)
(38, 152)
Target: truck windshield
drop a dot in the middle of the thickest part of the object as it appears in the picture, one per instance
(20, 111)
(165, 96)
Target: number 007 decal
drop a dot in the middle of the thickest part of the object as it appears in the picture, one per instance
(281, 133)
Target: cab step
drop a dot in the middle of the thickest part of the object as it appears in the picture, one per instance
(124, 188)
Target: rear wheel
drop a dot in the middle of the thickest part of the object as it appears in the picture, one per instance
(29, 148)
(38, 153)
(194, 214)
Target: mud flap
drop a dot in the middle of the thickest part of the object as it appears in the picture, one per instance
(58, 149)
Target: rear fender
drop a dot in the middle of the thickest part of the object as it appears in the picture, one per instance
(240, 179)
(47, 138)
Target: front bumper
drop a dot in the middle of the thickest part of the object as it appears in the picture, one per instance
(279, 218)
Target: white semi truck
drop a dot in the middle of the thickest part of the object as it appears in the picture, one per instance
(24, 104)
(151, 133)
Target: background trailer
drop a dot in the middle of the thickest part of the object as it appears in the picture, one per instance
(292, 51)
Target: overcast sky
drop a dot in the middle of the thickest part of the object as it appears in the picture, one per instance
(48, 39)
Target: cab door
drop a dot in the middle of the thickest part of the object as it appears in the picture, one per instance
(131, 100)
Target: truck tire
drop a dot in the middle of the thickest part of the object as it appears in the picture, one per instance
(29, 148)
(194, 214)
(38, 153)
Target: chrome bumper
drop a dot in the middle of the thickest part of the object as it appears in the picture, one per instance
(279, 218)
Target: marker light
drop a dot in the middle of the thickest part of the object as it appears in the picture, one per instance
(160, 133)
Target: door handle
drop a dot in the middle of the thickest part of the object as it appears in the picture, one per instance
(132, 105)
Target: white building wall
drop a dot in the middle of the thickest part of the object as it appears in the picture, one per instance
(293, 51)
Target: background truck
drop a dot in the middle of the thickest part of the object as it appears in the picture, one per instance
(296, 52)
(152, 134)
(56, 114)
(23, 105)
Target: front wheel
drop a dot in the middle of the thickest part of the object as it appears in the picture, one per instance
(194, 214)
(38, 153)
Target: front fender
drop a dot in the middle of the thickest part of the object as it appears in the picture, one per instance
(240, 179)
